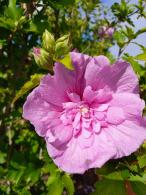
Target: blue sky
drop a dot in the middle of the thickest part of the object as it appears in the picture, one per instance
(132, 49)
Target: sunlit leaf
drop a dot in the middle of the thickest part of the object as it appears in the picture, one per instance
(66, 61)
(33, 82)
(141, 56)
(68, 184)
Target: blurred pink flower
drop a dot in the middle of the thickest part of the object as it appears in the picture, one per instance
(105, 31)
(89, 115)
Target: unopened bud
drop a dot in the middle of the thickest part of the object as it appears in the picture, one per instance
(42, 58)
(62, 46)
(48, 41)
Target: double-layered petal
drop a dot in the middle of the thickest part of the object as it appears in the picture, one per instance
(89, 115)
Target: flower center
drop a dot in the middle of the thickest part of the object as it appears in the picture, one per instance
(87, 114)
(85, 111)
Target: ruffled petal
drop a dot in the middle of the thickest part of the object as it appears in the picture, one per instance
(62, 134)
(119, 77)
(55, 89)
(125, 78)
(115, 115)
(101, 60)
(39, 112)
(131, 104)
(72, 81)
(94, 67)
(127, 137)
(76, 159)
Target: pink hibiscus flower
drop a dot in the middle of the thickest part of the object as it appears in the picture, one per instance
(89, 115)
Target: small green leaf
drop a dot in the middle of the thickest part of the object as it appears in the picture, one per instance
(66, 61)
(13, 11)
(110, 187)
(55, 188)
(68, 184)
(34, 81)
(138, 178)
(114, 176)
(142, 161)
(2, 157)
(141, 57)
(135, 65)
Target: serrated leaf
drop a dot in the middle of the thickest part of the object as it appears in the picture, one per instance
(68, 184)
(66, 61)
(110, 187)
(33, 82)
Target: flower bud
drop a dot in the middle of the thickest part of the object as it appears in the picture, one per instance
(42, 58)
(62, 46)
(48, 41)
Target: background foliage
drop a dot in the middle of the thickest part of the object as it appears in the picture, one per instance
(25, 167)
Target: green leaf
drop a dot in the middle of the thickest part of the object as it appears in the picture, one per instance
(141, 57)
(114, 176)
(61, 3)
(139, 188)
(38, 24)
(135, 65)
(13, 11)
(142, 161)
(120, 37)
(25, 192)
(2, 157)
(138, 178)
(32, 175)
(51, 180)
(34, 81)
(15, 176)
(7, 23)
(68, 184)
(110, 187)
(118, 175)
(66, 61)
(55, 188)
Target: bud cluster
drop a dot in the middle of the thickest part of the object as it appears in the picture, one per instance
(51, 50)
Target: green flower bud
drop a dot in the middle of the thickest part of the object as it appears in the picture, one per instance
(48, 41)
(43, 58)
(62, 46)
